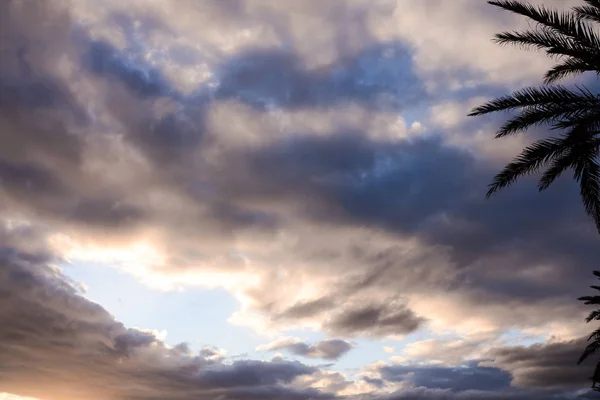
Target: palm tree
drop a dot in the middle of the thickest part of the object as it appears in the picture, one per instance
(571, 39)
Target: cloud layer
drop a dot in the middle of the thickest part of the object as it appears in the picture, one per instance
(313, 159)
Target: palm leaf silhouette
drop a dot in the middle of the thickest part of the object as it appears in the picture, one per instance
(570, 38)
(594, 338)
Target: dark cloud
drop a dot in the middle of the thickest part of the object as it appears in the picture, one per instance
(378, 383)
(470, 382)
(29, 178)
(462, 378)
(307, 309)
(385, 319)
(446, 394)
(549, 365)
(254, 373)
(41, 123)
(536, 371)
(43, 191)
(128, 341)
(342, 179)
(34, 100)
(329, 349)
(210, 351)
(380, 77)
(103, 59)
(398, 186)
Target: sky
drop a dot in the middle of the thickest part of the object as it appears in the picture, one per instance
(263, 200)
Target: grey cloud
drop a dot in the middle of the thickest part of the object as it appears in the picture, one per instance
(171, 138)
(307, 309)
(41, 123)
(375, 320)
(210, 351)
(329, 349)
(279, 393)
(469, 382)
(253, 373)
(445, 394)
(101, 58)
(23, 177)
(398, 187)
(126, 342)
(468, 377)
(377, 77)
(549, 365)
(380, 77)
(29, 86)
(541, 371)
(411, 196)
(48, 136)
(378, 383)
(167, 139)
(42, 190)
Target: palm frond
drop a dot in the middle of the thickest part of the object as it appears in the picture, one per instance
(530, 160)
(586, 117)
(590, 12)
(587, 173)
(595, 335)
(565, 23)
(593, 3)
(563, 114)
(594, 315)
(590, 300)
(560, 164)
(531, 96)
(577, 144)
(552, 43)
(569, 66)
(591, 348)
(541, 39)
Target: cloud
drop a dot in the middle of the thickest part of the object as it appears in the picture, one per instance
(150, 166)
(273, 158)
(378, 320)
(451, 351)
(445, 394)
(265, 79)
(547, 365)
(213, 353)
(58, 344)
(329, 349)
(469, 377)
